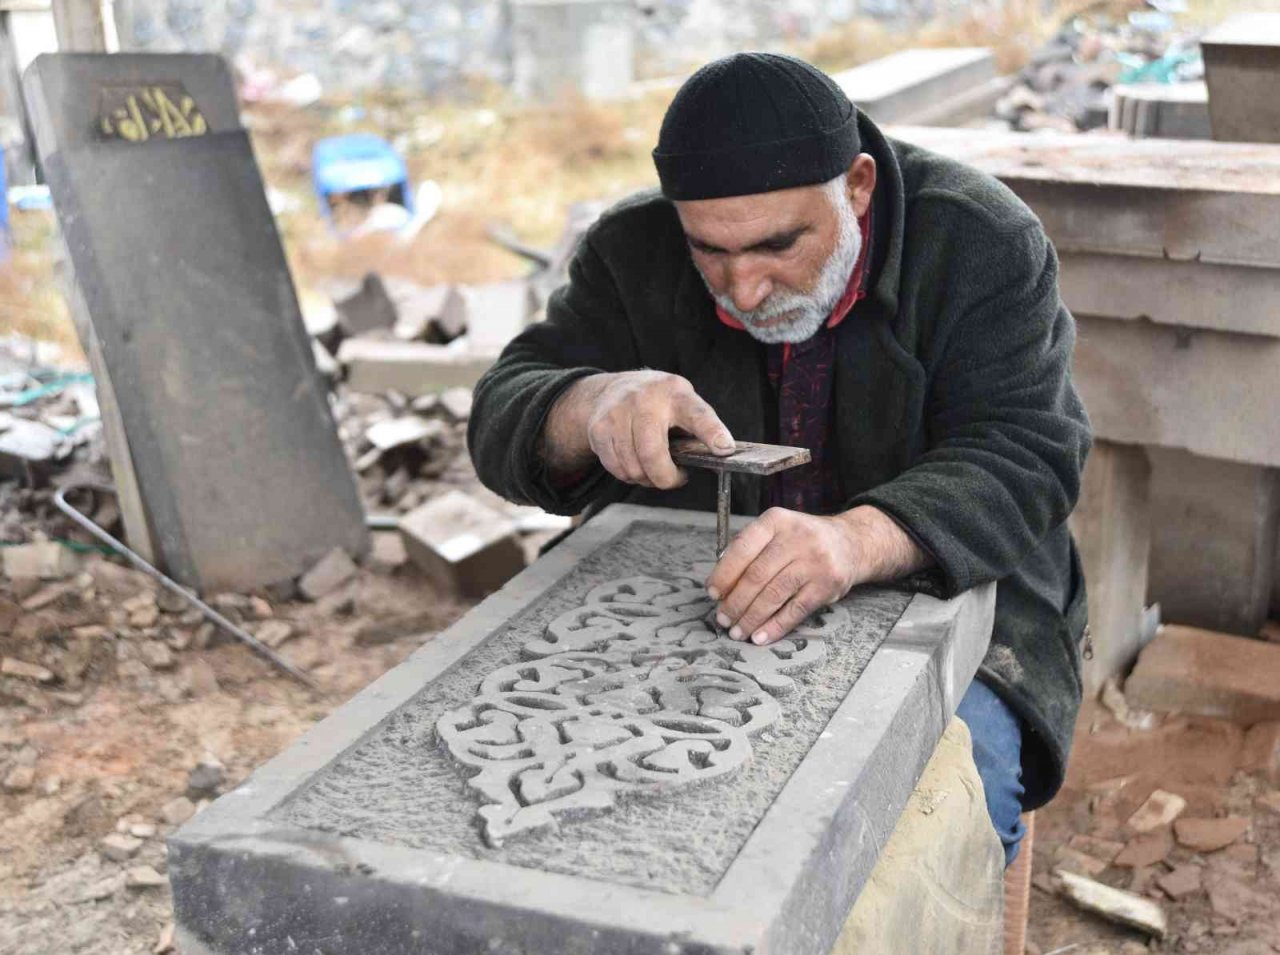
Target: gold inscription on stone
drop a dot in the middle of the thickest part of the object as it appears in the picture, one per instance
(137, 114)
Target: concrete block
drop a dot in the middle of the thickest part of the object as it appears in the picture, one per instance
(1112, 526)
(367, 308)
(181, 276)
(1199, 672)
(1242, 70)
(1161, 110)
(411, 368)
(740, 808)
(43, 560)
(1227, 298)
(1209, 393)
(564, 47)
(900, 87)
(328, 574)
(1185, 200)
(462, 545)
(496, 312)
(1213, 541)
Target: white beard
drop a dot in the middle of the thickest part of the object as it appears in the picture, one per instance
(809, 310)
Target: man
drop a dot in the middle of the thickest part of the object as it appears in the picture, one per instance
(804, 280)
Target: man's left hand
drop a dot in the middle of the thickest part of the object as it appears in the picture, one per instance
(780, 569)
(786, 565)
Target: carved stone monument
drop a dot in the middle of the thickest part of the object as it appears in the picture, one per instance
(582, 764)
(225, 455)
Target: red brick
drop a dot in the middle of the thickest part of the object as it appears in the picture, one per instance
(1183, 881)
(1195, 671)
(1209, 835)
(1261, 751)
(1145, 850)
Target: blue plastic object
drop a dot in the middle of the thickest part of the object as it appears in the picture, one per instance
(355, 163)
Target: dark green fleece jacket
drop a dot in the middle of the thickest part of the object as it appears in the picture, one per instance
(954, 408)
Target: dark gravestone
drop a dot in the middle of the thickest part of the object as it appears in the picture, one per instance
(223, 423)
(583, 765)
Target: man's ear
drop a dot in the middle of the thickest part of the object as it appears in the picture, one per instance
(861, 183)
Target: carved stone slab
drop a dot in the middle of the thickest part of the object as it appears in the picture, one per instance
(581, 765)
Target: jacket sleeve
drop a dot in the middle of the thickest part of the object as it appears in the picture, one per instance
(1007, 434)
(585, 332)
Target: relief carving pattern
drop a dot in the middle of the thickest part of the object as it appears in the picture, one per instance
(632, 692)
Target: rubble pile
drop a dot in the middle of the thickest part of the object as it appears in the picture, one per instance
(1068, 85)
(402, 448)
(50, 435)
(385, 333)
(1170, 821)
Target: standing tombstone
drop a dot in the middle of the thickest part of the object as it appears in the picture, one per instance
(225, 453)
(583, 764)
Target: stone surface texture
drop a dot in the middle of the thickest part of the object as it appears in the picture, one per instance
(581, 765)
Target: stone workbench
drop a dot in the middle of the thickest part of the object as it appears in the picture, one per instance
(581, 765)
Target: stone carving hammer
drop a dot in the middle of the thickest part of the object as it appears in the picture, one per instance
(748, 458)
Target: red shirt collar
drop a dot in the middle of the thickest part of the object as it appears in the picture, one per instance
(854, 292)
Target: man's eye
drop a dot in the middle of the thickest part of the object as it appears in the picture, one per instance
(778, 245)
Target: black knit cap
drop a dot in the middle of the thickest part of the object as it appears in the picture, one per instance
(754, 122)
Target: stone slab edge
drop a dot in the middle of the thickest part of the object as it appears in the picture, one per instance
(788, 891)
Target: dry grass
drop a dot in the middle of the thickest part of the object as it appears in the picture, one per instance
(31, 300)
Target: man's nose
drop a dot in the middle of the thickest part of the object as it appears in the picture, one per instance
(749, 285)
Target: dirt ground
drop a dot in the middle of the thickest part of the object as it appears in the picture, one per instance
(121, 755)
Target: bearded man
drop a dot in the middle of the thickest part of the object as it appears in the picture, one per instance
(804, 280)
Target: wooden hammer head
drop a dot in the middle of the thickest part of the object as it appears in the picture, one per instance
(748, 458)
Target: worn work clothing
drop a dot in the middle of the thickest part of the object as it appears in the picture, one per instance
(952, 392)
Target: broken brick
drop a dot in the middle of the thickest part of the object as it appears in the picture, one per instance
(1261, 751)
(1104, 849)
(1209, 835)
(1160, 809)
(1188, 670)
(1145, 849)
(1183, 881)
(1072, 860)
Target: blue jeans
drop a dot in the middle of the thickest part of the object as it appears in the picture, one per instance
(997, 751)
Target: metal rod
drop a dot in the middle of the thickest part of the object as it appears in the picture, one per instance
(724, 487)
(248, 639)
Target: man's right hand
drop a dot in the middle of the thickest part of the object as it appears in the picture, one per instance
(624, 420)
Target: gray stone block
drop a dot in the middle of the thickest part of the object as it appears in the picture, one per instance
(1242, 70)
(1211, 393)
(900, 87)
(1112, 525)
(1183, 200)
(762, 785)
(411, 368)
(1226, 298)
(1213, 541)
(463, 545)
(180, 273)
